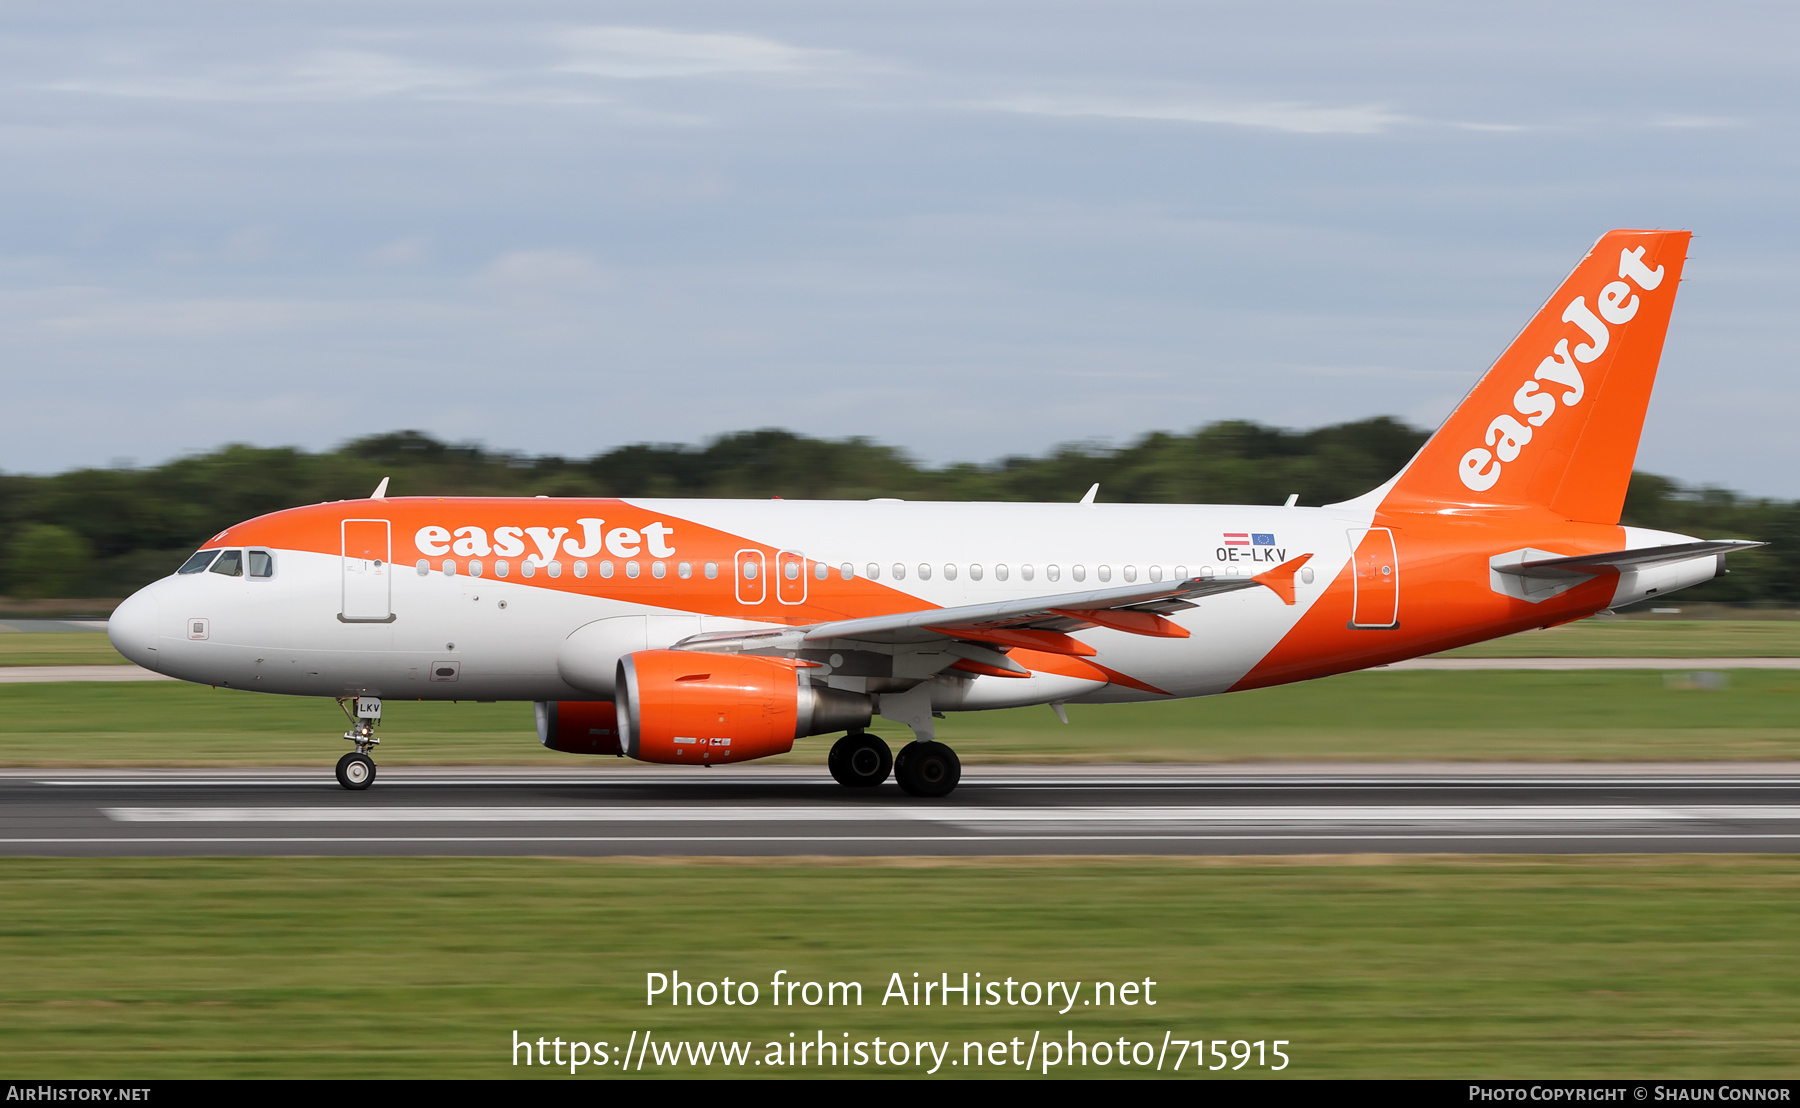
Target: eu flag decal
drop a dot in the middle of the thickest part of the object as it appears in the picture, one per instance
(1263, 540)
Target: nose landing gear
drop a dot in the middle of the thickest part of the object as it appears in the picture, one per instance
(356, 770)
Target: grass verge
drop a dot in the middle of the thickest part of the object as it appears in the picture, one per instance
(1678, 967)
(59, 648)
(1595, 638)
(1595, 715)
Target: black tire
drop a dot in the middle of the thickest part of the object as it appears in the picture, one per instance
(860, 760)
(927, 769)
(356, 771)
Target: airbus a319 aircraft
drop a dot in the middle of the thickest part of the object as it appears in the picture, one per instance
(702, 632)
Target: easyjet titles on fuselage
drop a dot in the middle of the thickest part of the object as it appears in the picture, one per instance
(509, 542)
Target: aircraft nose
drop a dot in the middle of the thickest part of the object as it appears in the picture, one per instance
(132, 627)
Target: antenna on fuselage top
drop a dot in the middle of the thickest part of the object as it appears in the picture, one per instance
(380, 492)
(1092, 489)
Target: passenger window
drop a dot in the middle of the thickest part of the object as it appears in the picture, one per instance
(449, 567)
(424, 567)
(821, 571)
(874, 572)
(949, 571)
(198, 562)
(1181, 573)
(606, 569)
(1025, 571)
(500, 567)
(1054, 573)
(1105, 573)
(262, 563)
(712, 570)
(580, 569)
(899, 572)
(684, 570)
(475, 567)
(230, 563)
(1078, 572)
(846, 571)
(1156, 573)
(975, 572)
(924, 571)
(1000, 572)
(631, 569)
(659, 570)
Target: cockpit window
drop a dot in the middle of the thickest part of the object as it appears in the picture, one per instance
(262, 563)
(230, 563)
(198, 562)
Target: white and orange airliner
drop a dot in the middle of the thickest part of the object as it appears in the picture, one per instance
(700, 632)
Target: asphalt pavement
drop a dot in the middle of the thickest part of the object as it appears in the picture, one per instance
(615, 809)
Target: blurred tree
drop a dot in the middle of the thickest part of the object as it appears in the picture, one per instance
(133, 525)
(46, 560)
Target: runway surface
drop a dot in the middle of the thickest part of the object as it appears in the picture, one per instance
(25, 675)
(1021, 810)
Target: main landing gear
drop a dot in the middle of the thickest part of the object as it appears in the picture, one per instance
(860, 760)
(356, 770)
(927, 769)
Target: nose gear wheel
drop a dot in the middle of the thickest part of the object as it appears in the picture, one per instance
(356, 771)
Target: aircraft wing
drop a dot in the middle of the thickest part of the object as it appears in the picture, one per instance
(1036, 623)
(1586, 565)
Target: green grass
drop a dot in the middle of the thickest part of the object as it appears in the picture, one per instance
(1625, 638)
(1595, 715)
(364, 968)
(1648, 638)
(58, 648)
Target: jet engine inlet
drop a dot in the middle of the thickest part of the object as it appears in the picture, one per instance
(687, 708)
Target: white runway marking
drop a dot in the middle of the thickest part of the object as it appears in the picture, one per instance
(1589, 663)
(12, 675)
(615, 840)
(1438, 814)
(31, 675)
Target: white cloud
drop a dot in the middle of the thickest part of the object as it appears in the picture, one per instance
(1699, 122)
(406, 251)
(639, 53)
(537, 273)
(1293, 117)
(320, 75)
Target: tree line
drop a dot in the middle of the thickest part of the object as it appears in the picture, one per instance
(106, 532)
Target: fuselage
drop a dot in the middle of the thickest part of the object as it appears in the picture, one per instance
(535, 599)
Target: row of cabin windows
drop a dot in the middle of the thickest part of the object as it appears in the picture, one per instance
(231, 563)
(791, 570)
(529, 567)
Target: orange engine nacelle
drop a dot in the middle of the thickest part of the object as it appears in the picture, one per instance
(687, 708)
(579, 726)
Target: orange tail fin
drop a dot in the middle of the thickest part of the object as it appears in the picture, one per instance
(1555, 421)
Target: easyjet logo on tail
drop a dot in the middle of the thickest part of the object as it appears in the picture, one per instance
(1506, 436)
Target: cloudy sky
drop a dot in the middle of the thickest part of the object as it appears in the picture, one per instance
(967, 229)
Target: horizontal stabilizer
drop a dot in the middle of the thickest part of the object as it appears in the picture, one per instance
(1586, 565)
(1280, 580)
